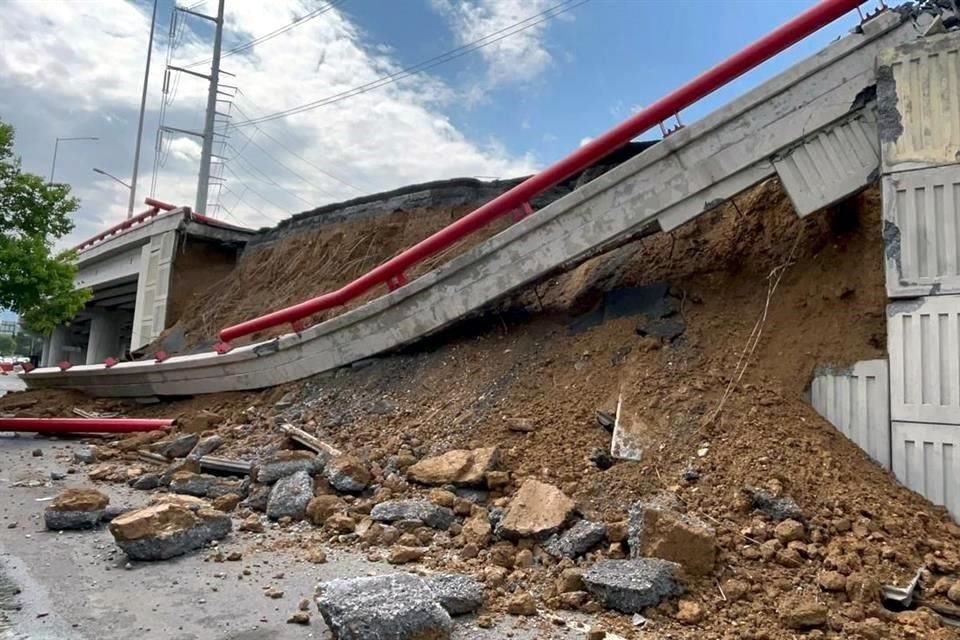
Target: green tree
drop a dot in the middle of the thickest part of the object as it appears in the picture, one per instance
(35, 281)
(7, 345)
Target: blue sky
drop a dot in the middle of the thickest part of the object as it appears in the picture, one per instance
(74, 68)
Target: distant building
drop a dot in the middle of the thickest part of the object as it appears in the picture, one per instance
(10, 327)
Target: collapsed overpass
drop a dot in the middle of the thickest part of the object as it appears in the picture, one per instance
(141, 272)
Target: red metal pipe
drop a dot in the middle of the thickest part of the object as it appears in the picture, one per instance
(83, 425)
(790, 33)
(159, 204)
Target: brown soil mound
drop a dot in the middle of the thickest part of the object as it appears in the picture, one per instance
(308, 264)
(736, 428)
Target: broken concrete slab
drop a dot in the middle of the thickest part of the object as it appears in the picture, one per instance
(631, 434)
(426, 512)
(76, 509)
(348, 474)
(290, 496)
(456, 593)
(206, 486)
(629, 586)
(577, 540)
(287, 463)
(536, 510)
(168, 529)
(179, 447)
(658, 529)
(399, 606)
(460, 467)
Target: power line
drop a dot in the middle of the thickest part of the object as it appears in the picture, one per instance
(291, 171)
(254, 191)
(266, 179)
(297, 155)
(273, 34)
(480, 43)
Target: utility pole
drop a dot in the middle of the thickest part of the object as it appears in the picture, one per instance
(203, 182)
(143, 107)
(208, 133)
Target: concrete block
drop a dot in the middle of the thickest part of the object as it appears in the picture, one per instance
(922, 342)
(926, 458)
(856, 400)
(921, 237)
(918, 97)
(830, 165)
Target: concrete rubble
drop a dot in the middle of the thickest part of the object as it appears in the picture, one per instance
(290, 496)
(460, 467)
(172, 527)
(399, 606)
(629, 586)
(536, 511)
(658, 530)
(426, 512)
(577, 540)
(76, 509)
(286, 463)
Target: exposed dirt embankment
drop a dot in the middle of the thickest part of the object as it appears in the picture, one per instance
(318, 251)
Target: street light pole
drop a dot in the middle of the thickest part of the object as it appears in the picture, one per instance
(113, 177)
(143, 106)
(56, 145)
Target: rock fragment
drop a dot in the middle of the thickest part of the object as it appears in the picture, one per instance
(146, 482)
(347, 473)
(656, 530)
(776, 507)
(76, 509)
(205, 447)
(536, 510)
(426, 512)
(461, 467)
(286, 463)
(629, 586)
(399, 606)
(322, 507)
(167, 529)
(577, 540)
(180, 446)
(799, 612)
(290, 496)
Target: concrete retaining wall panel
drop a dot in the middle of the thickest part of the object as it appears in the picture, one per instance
(857, 402)
(918, 93)
(923, 340)
(153, 288)
(921, 212)
(831, 165)
(926, 458)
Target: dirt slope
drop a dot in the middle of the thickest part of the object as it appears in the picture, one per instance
(459, 389)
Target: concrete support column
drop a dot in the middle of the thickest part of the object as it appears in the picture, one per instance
(104, 337)
(53, 347)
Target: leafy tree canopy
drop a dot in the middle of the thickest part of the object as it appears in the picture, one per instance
(35, 281)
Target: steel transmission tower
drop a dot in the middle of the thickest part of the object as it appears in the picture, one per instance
(203, 179)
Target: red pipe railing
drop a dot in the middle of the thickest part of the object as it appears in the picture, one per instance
(391, 272)
(83, 425)
(156, 206)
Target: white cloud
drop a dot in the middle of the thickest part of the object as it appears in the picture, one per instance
(518, 58)
(75, 68)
